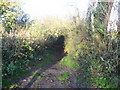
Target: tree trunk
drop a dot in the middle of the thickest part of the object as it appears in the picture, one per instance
(118, 24)
(110, 5)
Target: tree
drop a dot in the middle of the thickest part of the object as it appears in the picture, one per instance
(118, 24)
(11, 14)
(102, 13)
(90, 16)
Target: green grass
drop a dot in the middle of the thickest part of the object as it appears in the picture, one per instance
(66, 61)
(64, 76)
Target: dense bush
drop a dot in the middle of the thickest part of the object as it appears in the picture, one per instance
(18, 52)
(24, 46)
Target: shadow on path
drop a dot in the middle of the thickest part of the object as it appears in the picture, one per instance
(59, 47)
(41, 71)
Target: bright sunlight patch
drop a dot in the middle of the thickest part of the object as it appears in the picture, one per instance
(64, 76)
(69, 62)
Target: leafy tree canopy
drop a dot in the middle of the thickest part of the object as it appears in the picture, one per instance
(10, 14)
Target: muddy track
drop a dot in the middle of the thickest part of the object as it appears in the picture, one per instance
(28, 80)
(50, 79)
(47, 77)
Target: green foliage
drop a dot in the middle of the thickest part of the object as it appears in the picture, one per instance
(64, 76)
(104, 82)
(18, 53)
(11, 68)
(10, 15)
(101, 58)
(10, 80)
